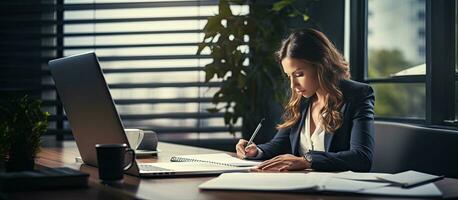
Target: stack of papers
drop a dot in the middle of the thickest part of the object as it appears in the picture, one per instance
(345, 182)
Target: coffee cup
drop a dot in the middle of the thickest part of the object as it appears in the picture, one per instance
(134, 137)
(111, 161)
(149, 142)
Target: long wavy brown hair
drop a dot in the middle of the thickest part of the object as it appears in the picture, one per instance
(315, 48)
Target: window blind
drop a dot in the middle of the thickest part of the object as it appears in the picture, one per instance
(147, 51)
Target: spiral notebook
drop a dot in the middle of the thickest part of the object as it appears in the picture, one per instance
(215, 158)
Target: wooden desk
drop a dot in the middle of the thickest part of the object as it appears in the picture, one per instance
(165, 188)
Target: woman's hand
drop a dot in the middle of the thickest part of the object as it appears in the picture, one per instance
(244, 151)
(286, 162)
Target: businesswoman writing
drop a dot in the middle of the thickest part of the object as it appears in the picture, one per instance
(328, 121)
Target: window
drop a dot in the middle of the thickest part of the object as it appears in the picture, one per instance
(390, 102)
(410, 61)
(147, 51)
(396, 57)
(148, 55)
(26, 42)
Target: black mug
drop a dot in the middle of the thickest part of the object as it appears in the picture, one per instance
(111, 161)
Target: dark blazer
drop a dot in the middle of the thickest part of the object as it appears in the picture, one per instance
(350, 147)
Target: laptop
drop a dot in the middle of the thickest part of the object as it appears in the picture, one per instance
(93, 117)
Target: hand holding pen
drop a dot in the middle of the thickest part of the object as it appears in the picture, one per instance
(246, 148)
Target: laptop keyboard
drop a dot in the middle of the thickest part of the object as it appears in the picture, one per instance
(146, 167)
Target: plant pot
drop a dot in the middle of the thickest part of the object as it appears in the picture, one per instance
(19, 164)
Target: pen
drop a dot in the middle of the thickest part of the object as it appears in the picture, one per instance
(255, 132)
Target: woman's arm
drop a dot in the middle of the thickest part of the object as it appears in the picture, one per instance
(359, 156)
(280, 144)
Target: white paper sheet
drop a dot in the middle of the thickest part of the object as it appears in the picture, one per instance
(428, 190)
(359, 176)
(218, 158)
(313, 182)
(262, 182)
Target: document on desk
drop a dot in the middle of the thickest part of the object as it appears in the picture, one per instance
(294, 182)
(428, 190)
(215, 158)
(312, 182)
(360, 176)
(262, 182)
(409, 178)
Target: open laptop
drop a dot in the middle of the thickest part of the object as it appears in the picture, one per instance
(93, 118)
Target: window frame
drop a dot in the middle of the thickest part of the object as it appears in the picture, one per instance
(440, 61)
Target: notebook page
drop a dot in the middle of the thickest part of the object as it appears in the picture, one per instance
(196, 167)
(215, 158)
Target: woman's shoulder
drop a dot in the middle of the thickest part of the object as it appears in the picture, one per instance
(352, 89)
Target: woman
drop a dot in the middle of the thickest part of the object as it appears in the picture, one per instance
(328, 121)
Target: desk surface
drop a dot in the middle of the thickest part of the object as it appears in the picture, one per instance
(165, 188)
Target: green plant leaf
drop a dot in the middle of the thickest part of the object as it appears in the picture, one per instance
(227, 117)
(224, 9)
(305, 17)
(239, 2)
(281, 4)
(201, 47)
(213, 26)
(295, 13)
(210, 71)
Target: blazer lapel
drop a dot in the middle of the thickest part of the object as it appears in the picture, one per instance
(328, 136)
(295, 131)
(327, 140)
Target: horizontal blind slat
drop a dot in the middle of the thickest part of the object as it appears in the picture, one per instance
(40, 7)
(96, 21)
(165, 130)
(157, 116)
(52, 35)
(143, 101)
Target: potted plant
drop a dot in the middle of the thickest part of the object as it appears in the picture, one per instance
(249, 86)
(22, 123)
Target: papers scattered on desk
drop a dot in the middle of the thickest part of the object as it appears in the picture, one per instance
(215, 158)
(344, 185)
(299, 182)
(428, 190)
(359, 176)
(317, 182)
(262, 181)
(409, 178)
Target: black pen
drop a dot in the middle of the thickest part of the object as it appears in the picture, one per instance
(255, 132)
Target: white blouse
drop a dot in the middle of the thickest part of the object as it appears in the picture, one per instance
(307, 141)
